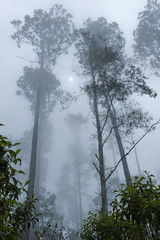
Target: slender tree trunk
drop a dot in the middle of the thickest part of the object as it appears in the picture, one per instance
(77, 168)
(76, 199)
(100, 150)
(37, 177)
(136, 156)
(33, 161)
(119, 142)
(114, 160)
(32, 171)
(79, 193)
(39, 160)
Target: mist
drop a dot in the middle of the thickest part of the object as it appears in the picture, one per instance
(78, 129)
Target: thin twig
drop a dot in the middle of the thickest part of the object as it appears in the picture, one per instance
(110, 132)
(94, 136)
(149, 129)
(96, 168)
(31, 61)
(97, 156)
(97, 193)
(108, 111)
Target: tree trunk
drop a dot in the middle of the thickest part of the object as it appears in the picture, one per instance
(79, 192)
(32, 171)
(114, 160)
(100, 150)
(78, 175)
(119, 142)
(76, 199)
(136, 156)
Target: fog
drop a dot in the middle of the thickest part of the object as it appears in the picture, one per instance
(17, 117)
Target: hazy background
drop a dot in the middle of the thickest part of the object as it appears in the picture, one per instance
(14, 110)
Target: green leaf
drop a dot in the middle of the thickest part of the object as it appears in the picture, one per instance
(15, 144)
(11, 229)
(6, 214)
(20, 171)
(13, 201)
(15, 238)
(18, 151)
(12, 153)
(27, 182)
(15, 181)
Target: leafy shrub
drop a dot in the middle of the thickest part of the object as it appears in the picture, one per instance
(15, 214)
(135, 214)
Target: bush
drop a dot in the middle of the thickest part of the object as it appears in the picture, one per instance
(135, 214)
(15, 215)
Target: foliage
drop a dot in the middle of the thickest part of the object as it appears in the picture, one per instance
(50, 223)
(114, 81)
(98, 44)
(51, 231)
(49, 33)
(147, 34)
(47, 205)
(75, 121)
(28, 84)
(14, 214)
(135, 214)
(116, 78)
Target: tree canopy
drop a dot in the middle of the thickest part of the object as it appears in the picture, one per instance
(148, 32)
(50, 92)
(49, 33)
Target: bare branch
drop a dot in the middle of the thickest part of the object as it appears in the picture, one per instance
(96, 168)
(149, 129)
(94, 136)
(31, 61)
(110, 132)
(106, 139)
(97, 156)
(98, 193)
(107, 116)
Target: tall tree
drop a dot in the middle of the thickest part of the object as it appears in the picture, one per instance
(99, 44)
(49, 34)
(116, 89)
(74, 175)
(110, 81)
(146, 36)
(75, 122)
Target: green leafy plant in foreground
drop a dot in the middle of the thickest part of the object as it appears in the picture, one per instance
(15, 214)
(135, 214)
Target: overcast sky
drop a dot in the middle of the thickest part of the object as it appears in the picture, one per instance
(122, 11)
(14, 111)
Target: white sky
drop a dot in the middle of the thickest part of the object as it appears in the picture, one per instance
(14, 111)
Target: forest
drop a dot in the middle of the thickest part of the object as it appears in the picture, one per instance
(79, 126)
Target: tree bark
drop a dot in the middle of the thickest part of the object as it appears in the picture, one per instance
(33, 161)
(76, 199)
(100, 150)
(119, 142)
(32, 171)
(136, 156)
(79, 191)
